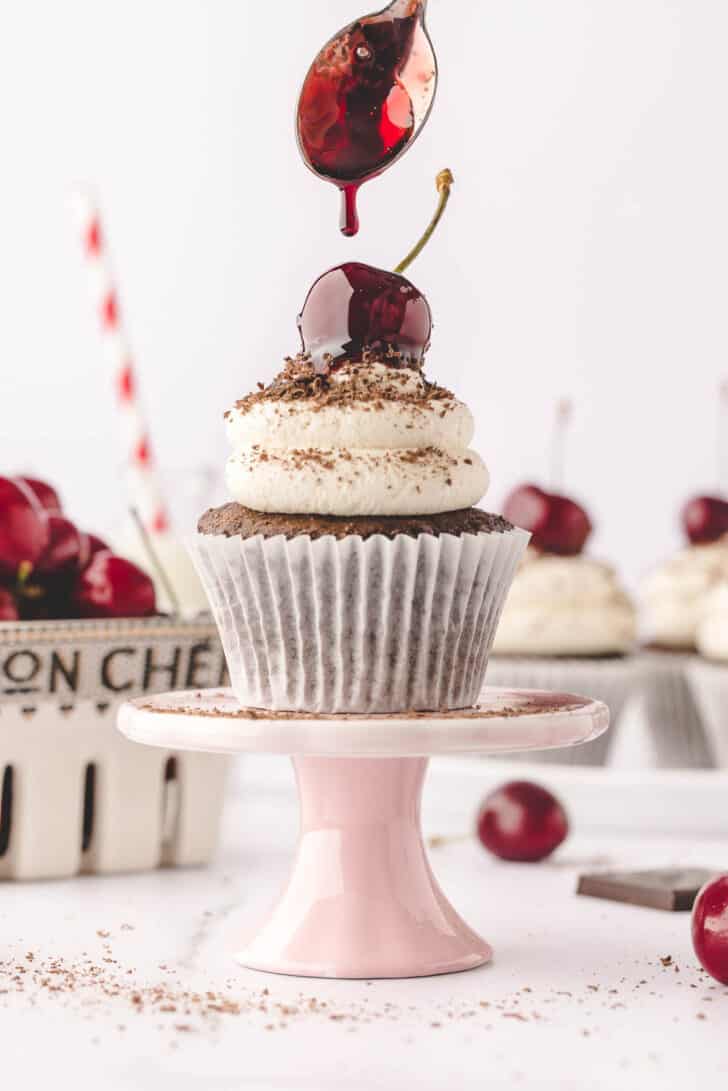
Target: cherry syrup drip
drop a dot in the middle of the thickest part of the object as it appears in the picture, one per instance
(365, 98)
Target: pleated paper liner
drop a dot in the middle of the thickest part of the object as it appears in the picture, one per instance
(675, 717)
(358, 625)
(612, 680)
(709, 687)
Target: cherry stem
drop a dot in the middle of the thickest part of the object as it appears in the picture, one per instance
(439, 840)
(443, 182)
(155, 561)
(558, 442)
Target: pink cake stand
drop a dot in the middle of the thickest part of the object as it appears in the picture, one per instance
(362, 901)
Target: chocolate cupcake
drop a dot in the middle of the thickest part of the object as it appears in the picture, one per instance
(352, 572)
(568, 624)
(682, 629)
(707, 672)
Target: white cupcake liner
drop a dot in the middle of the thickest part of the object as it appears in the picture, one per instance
(358, 625)
(610, 680)
(674, 718)
(709, 686)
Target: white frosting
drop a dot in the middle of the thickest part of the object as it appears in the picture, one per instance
(340, 481)
(565, 606)
(712, 627)
(394, 452)
(675, 593)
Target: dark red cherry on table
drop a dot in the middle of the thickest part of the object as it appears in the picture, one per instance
(112, 587)
(24, 530)
(522, 821)
(705, 519)
(8, 609)
(365, 97)
(710, 928)
(557, 523)
(356, 308)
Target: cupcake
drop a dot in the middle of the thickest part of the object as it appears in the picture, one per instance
(676, 601)
(708, 672)
(711, 633)
(568, 624)
(352, 572)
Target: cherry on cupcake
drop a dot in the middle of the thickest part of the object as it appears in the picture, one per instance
(112, 587)
(710, 928)
(355, 310)
(557, 523)
(522, 821)
(705, 519)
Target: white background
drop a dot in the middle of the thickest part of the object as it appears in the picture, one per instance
(583, 254)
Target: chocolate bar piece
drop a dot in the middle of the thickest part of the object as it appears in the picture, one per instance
(659, 888)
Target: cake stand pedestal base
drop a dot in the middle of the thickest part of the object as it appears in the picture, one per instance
(362, 901)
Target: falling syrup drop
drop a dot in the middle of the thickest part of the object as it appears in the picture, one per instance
(349, 222)
(365, 98)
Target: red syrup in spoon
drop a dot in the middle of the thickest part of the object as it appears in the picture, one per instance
(365, 98)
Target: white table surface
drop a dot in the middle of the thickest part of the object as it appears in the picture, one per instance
(577, 996)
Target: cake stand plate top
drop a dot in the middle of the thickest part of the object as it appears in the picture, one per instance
(504, 720)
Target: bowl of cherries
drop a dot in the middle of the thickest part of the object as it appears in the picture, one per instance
(79, 633)
(50, 569)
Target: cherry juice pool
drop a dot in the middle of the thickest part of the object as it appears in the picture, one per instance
(364, 99)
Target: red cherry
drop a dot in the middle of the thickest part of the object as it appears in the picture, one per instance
(111, 586)
(355, 308)
(45, 494)
(557, 523)
(528, 507)
(24, 531)
(705, 519)
(522, 821)
(64, 550)
(710, 928)
(8, 609)
(90, 545)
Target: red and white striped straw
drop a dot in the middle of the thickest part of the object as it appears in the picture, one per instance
(145, 493)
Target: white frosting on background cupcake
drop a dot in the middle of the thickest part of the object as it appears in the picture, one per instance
(565, 606)
(712, 627)
(675, 593)
(375, 440)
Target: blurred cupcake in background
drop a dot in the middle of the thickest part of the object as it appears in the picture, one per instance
(684, 611)
(674, 593)
(568, 624)
(708, 671)
(711, 635)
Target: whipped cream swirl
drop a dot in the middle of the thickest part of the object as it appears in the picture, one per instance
(675, 593)
(712, 628)
(368, 439)
(565, 606)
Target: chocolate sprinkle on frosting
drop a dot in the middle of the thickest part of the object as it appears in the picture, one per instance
(233, 520)
(300, 380)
